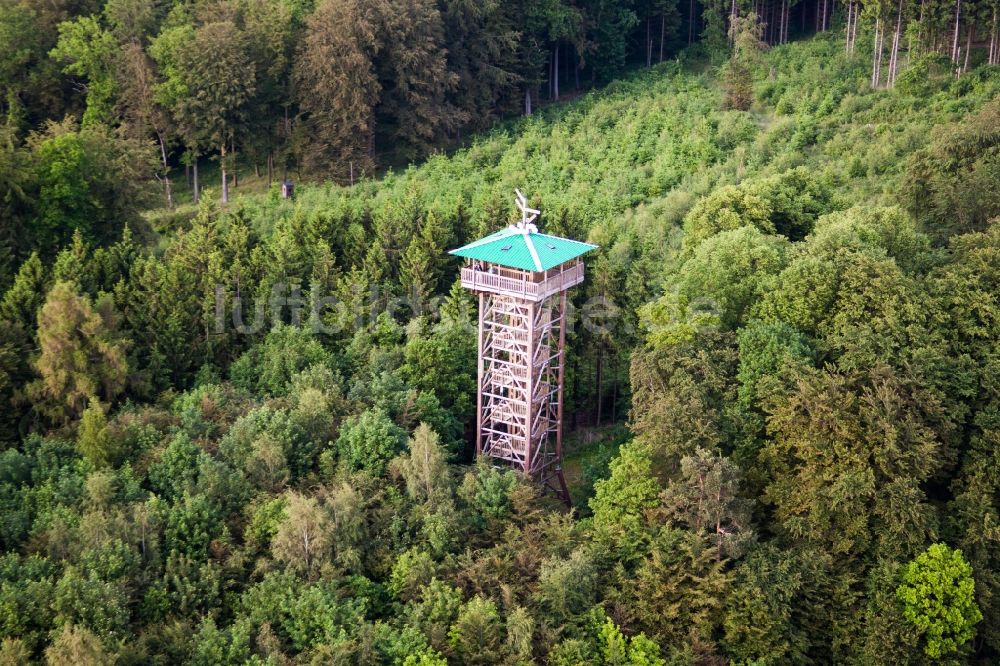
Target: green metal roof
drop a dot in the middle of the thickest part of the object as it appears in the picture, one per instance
(526, 249)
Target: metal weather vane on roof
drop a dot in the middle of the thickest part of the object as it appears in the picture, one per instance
(528, 215)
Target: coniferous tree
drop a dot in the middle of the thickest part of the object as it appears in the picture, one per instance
(82, 359)
(337, 88)
(219, 81)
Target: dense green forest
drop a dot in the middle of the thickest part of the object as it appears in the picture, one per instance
(235, 427)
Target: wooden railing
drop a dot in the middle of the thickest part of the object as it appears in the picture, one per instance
(484, 280)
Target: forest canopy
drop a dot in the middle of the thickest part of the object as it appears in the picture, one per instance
(236, 426)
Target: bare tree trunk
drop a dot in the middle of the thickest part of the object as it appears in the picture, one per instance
(691, 23)
(222, 168)
(527, 100)
(994, 41)
(877, 64)
(771, 12)
(555, 70)
(649, 41)
(920, 26)
(958, 20)
(894, 57)
(194, 180)
(850, 14)
(968, 45)
(663, 33)
(614, 392)
(552, 60)
(600, 379)
(733, 11)
(786, 16)
(166, 171)
(854, 26)
(270, 169)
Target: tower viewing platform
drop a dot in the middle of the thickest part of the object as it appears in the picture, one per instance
(523, 262)
(521, 278)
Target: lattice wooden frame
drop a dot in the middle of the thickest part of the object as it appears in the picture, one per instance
(520, 401)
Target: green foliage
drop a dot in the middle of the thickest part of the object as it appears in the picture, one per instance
(369, 441)
(269, 366)
(423, 468)
(812, 400)
(191, 524)
(475, 636)
(620, 501)
(745, 33)
(93, 440)
(949, 184)
(88, 51)
(82, 358)
(76, 645)
(85, 599)
(677, 591)
(937, 592)
(85, 179)
(731, 271)
(617, 650)
(726, 209)
(761, 619)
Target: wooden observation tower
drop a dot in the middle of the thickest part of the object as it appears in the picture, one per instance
(521, 278)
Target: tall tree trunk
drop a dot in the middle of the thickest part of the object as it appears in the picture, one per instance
(270, 169)
(920, 27)
(958, 21)
(894, 56)
(166, 171)
(691, 23)
(968, 45)
(222, 169)
(649, 41)
(663, 33)
(194, 180)
(853, 34)
(600, 379)
(994, 41)
(555, 70)
(769, 29)
(877, 63)
(552, 60)
(786, 11)
(527, 100)
(847, 39)
(733, 12)
(614, 391)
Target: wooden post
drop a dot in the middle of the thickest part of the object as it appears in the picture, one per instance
(559, 394)
(529, 414)
(479, 383)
